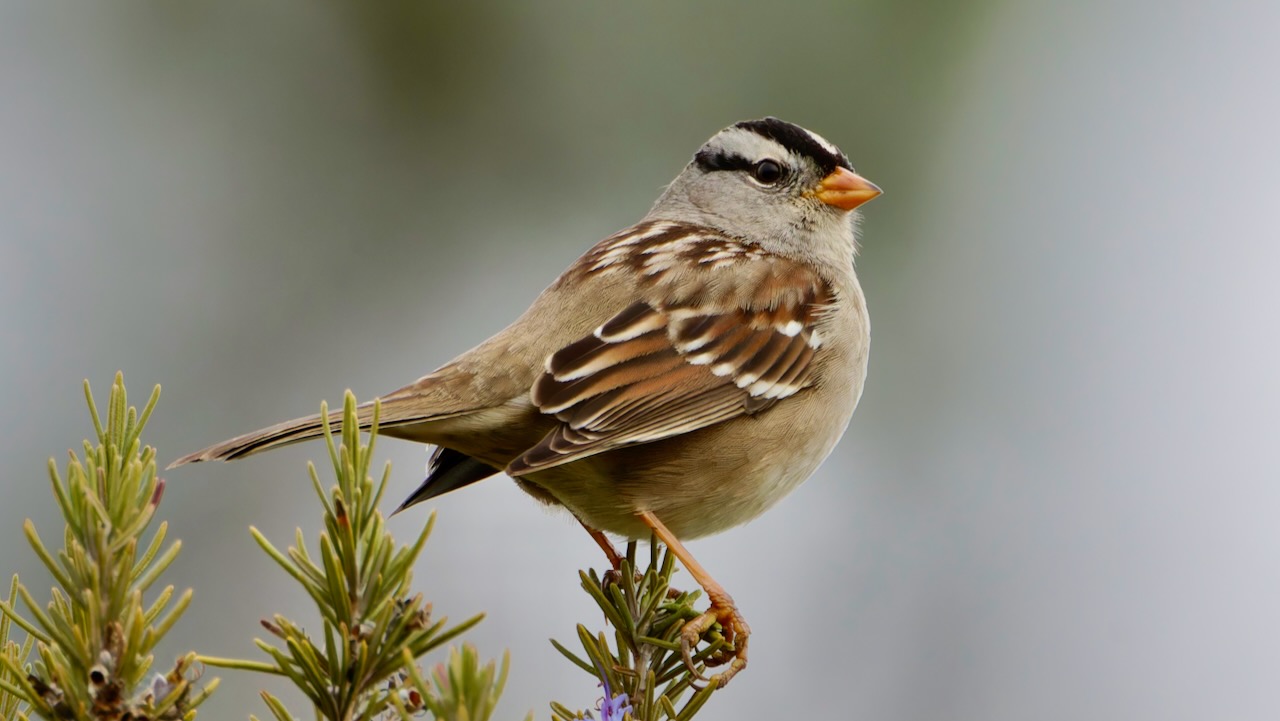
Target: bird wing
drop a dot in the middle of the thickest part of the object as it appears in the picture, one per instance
(657, 370)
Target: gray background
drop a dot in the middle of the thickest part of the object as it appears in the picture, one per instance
(1057, 498)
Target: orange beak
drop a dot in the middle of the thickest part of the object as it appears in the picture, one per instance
(846, 189)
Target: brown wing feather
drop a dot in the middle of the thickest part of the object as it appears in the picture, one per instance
(652, 372)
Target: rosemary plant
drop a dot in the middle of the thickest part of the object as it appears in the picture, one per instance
(94, 639)
(15, 655)
(643, 673)
(362, 664)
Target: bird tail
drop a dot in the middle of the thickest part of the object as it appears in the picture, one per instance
(449, 392)
(277, 436)
(402, 408)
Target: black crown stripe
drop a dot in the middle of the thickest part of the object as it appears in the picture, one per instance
(797, 140)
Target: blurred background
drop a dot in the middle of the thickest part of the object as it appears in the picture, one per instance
(1057, 499)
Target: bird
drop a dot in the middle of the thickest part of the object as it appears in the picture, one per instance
(679, 378)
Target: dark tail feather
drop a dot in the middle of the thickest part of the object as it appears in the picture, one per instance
(448, 470)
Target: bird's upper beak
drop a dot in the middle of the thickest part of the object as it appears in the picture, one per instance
(846, 189)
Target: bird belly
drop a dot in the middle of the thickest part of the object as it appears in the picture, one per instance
(698, 484)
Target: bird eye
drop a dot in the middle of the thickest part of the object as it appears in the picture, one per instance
(767, 172)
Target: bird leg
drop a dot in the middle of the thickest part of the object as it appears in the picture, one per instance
(615, 560)
(722, 611)
(605, 545)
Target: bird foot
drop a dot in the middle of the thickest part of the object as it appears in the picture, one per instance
(736, 634)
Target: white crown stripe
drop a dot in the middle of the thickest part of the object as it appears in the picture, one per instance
(826, 144)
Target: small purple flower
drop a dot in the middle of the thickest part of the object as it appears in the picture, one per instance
(612, 708)
(160, 688)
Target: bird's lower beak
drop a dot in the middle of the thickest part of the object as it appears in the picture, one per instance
(846, 189)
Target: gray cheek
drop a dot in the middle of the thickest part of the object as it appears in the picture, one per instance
(714, 204)
(704, 198)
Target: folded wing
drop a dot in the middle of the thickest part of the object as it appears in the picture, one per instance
(656, 371)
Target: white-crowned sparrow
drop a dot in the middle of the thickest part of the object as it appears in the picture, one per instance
(679, 378)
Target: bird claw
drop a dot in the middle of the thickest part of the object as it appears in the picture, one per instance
(613, 577)
(610, 577)
(736, 634)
